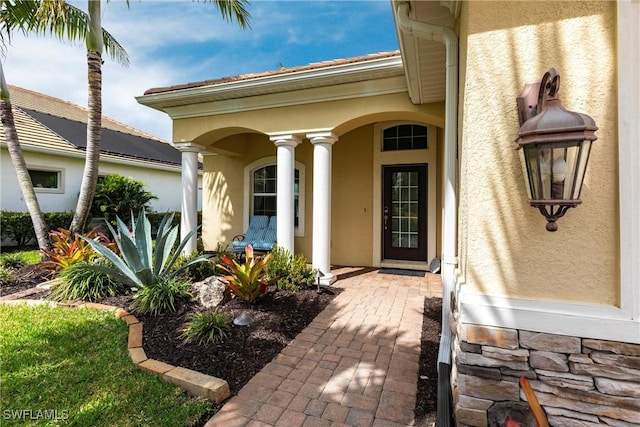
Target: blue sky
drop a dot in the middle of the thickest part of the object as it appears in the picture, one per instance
(172, 42)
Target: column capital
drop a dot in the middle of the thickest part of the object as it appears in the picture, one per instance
(189, 147)
(287, 140)
(322, 137)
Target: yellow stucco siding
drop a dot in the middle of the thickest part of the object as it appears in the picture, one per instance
(340, 116)
(504, 247)
(352, 198)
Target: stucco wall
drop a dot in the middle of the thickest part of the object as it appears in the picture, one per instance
(352, 201)
(340, 116)
(505, 249)
(164, 184)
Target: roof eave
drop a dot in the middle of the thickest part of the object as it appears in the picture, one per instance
(277, 83)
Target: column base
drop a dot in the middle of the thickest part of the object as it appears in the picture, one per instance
(328, 279)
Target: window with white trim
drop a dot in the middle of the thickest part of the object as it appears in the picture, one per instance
(260, 191)
(264, 192)
(46, 180)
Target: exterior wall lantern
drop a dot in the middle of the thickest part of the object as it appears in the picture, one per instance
(554, 144)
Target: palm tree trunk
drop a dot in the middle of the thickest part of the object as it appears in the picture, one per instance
(24, 180)
(94, 136)
(94, 122)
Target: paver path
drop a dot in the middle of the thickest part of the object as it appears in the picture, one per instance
(356, 364)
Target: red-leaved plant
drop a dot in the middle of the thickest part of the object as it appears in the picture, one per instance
(247, 281)
(68, 250)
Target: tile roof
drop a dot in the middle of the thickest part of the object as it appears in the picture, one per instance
(55, 106)
(113, 141)
(282, 71)
(43, 121)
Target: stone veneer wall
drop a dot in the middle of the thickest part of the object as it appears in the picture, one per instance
(578, 381)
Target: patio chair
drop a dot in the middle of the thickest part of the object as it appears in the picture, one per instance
(268, 240)
(254, 234)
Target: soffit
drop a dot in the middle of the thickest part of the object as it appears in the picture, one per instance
(425, 60)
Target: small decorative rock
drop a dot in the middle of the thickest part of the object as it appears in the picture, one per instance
(210, 292)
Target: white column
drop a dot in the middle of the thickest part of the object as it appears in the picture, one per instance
(321, 247)
(286, 145)
(189, 213)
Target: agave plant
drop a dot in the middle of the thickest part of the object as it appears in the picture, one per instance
(139, 264)
(249, 280)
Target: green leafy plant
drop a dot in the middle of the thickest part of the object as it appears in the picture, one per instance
(141, 263)
(12, 260)
(80, 282)
(196, 272)
(118, 195)
(6, 276)
(219, 253)
(68, 249)
(247, 281)
(292, 272)
(17, 226)
(161, 296)
(205, 327)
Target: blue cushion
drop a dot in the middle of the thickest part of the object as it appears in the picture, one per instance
(268, 240)
(257, 225)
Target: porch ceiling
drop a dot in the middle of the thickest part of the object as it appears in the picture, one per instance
(424, 60)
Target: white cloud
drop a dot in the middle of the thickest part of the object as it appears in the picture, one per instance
(171, 42)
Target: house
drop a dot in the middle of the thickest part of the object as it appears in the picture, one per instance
(396, 158)
(53, 138)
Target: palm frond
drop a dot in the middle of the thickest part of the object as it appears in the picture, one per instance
(233, 9)
(54, 17)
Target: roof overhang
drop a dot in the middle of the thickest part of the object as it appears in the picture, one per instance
(424, 61)
(352, 80)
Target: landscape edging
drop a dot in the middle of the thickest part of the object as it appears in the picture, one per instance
(194, 382)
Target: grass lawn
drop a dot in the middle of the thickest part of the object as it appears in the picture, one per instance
(73, 364)
(28, 257)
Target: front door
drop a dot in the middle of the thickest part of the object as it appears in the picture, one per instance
(404, 212)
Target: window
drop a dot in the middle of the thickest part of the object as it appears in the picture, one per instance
(260, 191)
(405, 137)
(264, 198)
(46, 179)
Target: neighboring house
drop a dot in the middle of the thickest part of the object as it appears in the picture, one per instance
(394, 159)
(53, 136)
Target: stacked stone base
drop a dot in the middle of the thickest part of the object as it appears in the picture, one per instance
(578, 381)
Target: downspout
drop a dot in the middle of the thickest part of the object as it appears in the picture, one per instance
(449, 228)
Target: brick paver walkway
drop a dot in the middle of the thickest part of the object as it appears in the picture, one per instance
(356, 364)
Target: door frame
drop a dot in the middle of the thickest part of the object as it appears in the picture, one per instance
(402, 157)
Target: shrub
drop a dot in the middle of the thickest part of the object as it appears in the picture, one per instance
(196, 272)
(290, 272)
(247, 281)
(161, 295)
(56, 220)
(118, 195)
(12, 260)
(67, 250)
(141, 263)
(17, 226)
(205, 327)
(78, 282)
(6, 276)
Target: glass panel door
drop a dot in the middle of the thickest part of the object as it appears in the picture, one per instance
(404, 219)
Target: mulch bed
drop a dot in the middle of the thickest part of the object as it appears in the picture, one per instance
(277, 318)
(27, 277)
